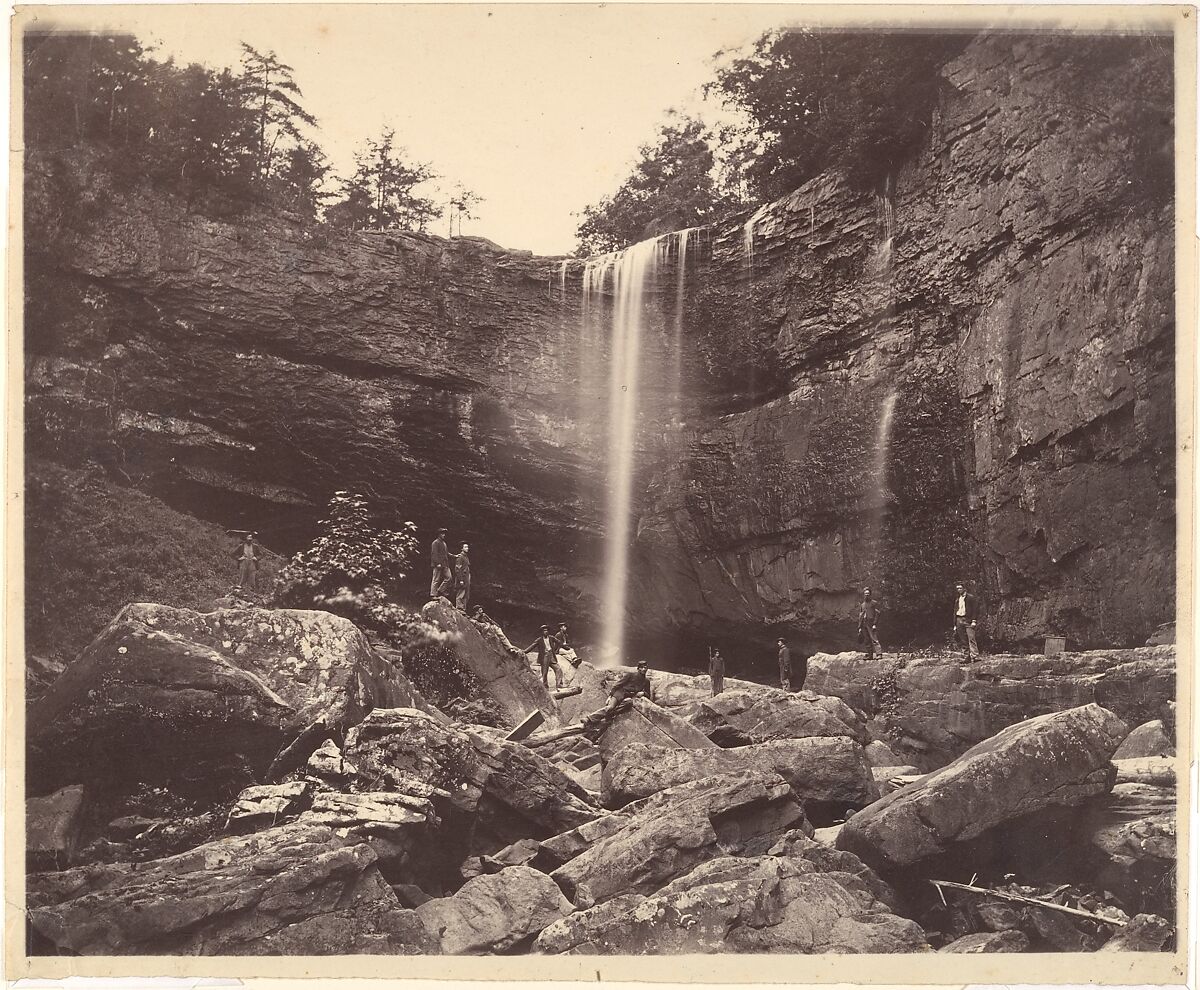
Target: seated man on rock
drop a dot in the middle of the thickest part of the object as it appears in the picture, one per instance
(634, 684)
(479, 616)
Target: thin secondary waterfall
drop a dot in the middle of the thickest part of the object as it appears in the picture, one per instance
(632, 270)
(883, 439)
(748, 236)
(562, 280)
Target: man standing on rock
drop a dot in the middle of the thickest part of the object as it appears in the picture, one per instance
(547, 654)
(868, 618)
(442, 579)
(462, 578)
(716, 671)
(785, 664)
(966, 613)
(247, 557)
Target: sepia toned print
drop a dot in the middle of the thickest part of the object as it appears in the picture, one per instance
(784, 559)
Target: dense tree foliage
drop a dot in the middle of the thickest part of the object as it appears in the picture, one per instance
(223, 139)
(857, 102)
(382, 193)
(672, 186)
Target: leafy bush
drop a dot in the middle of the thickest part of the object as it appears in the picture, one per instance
(349, 568)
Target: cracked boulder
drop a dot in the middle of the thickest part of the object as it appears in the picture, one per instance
(296, 888)
(650, 842)
(743, 717)
(1061, 759)
(196, 700)
(495, 912)
(740, 904)
(497, 791)
(825, 770)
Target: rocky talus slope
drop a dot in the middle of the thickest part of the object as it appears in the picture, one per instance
(304, 799)
(999, 315)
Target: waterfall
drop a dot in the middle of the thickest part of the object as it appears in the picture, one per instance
(632, 269)
(883, 438)
(748, 236)
(562, 280)
(886, 208)
(681, 239)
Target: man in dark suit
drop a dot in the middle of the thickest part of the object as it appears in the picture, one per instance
(868, 619)
(439, 558)
(547, 654)
(462, 578)
(966, 614)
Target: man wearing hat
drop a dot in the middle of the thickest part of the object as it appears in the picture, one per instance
(547, 654)
(442, 580)
(462, 578)
(631, 685)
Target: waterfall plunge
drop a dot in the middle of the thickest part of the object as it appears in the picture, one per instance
(883, 439)
(632, 270)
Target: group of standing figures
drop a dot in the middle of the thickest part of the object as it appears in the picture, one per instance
(451, 572)
(787, 676)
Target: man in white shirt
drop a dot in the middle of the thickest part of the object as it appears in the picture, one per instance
(966, 613)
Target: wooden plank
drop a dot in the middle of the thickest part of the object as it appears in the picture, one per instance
(528, 724)
(1022, 899)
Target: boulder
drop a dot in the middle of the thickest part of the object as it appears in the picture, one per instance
(263, 805)
(826, 769)
(1005, 941)
(655, 840)
(1148, 739)
(328, 763)
(1057, 759)
(1164, 635)
(498, 791)
(683, 693)
(799, 844)
(52, 827)
(932, 709)
(743, 717)
(879, 754)
(503, 676)
(495, 912)
(200, 700)
(1133, 851)
(593, 683)
(753, 904)
(645, 723)
(236, 895)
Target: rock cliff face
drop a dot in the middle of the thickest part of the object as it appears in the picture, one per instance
(968, 372)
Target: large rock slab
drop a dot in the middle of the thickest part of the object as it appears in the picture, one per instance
(495, 912)
(503, 676)
(826, 769)
(169, 695)
(932, 709)
(228, 897)
(1056, 759)
(752, 904)
(978, 942)
(655, 840)
(499, 791)
(743, 717)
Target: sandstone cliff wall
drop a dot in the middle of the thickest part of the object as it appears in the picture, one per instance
(1011, 288)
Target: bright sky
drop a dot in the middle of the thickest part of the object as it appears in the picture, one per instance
(539, 109)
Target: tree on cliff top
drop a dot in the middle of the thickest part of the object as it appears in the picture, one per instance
(857, 102)
(271, 93)
(672, 186)
(382, 194)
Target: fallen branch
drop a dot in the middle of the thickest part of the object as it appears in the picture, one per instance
(567, 692)
(1021, 899)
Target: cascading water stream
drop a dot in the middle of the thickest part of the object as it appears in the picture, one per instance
(681, 238)
(632, 269)
(883, 439)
